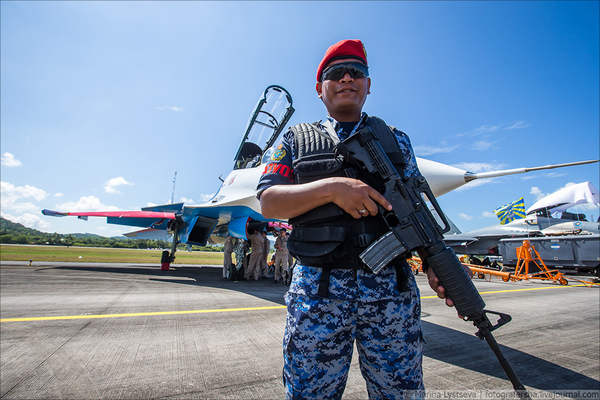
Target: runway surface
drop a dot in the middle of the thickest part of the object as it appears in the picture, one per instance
(130, 331)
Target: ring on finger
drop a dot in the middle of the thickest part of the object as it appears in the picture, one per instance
(362, 212)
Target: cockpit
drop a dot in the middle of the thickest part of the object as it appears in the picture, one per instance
(271, 114)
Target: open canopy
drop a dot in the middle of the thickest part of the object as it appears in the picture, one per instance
(581, 193)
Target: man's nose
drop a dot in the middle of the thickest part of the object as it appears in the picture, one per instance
(347, 77)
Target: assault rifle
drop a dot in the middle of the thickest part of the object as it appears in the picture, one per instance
(413, 227)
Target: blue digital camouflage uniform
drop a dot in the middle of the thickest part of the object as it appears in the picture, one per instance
(360, 307)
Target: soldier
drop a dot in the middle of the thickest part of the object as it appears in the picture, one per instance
(281, 257)
(334, 299)
(257, 246)
(227, 250)
(263, 263)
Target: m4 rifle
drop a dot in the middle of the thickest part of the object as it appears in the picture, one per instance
(413, 227)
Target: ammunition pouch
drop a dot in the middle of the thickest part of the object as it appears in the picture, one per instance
(328, 237)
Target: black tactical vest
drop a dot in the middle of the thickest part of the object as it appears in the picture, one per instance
(327, 236)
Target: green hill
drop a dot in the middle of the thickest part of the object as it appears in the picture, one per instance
(7, 226)
(15, 233)
(12, 232)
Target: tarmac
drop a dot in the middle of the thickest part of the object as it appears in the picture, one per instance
(131, 331)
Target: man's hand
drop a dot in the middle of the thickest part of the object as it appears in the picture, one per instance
(352, 195)
(434, 282)
(357, 198)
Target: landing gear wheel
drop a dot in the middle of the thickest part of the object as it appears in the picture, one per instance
(234, 274)
(231, 271)
(165, 261)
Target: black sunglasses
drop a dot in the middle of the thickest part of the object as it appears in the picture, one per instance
(337, 71)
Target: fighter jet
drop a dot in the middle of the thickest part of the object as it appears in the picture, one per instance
(235, 210)
(547, 217)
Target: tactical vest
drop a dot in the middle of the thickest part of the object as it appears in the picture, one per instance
(327, 236)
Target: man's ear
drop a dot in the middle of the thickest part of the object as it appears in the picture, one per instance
(368, 85)
(319, 88)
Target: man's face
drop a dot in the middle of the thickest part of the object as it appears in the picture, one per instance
(345, 97)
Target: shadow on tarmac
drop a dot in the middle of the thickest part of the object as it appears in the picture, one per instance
(469, 352)
(443, 344)
(206, 276)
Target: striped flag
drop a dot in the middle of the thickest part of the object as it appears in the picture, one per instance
(511, 211)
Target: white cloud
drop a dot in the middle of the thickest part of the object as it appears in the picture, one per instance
(86, 203)
(482, 145)
(422, 151)
(486, 129)
(18, 201)
(479, 167)
(29, 220)
(483, 129)
(206, 197)
(12, 197)
(465, 217)
(518, 125)
(528, 177)
(112, 184)
(172, 108)
(9, 160)
(555, 174)
(537, 193)
(58, 195)
(203, 199)
(487, 214)
(187, 201)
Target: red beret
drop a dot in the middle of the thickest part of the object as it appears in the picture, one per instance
(349, 48)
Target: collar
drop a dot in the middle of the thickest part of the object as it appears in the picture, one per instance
(338, 128)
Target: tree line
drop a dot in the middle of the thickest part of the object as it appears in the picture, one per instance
(15, 233)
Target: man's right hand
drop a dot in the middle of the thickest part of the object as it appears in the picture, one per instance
(352, 195)
(357, 198)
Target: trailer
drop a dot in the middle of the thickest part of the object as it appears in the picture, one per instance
(580, 252)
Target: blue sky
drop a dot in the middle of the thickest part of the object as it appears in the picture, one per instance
(101, 102)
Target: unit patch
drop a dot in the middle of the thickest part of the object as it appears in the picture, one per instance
(279, 154)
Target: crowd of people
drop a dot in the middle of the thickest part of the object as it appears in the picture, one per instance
(255, 261)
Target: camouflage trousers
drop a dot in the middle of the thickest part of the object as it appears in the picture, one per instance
(319, 340)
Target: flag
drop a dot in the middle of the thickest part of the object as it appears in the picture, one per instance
(511, 211)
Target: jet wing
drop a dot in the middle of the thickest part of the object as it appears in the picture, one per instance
(148, 234)
(149, 219)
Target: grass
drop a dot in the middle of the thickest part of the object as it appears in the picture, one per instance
(10, 252)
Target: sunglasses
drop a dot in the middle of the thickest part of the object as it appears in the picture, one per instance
(338, 71)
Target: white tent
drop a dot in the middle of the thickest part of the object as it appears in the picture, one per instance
(581, 193)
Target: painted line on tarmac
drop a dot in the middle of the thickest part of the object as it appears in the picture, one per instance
(142, 314)
(516, 290)
(150, 314)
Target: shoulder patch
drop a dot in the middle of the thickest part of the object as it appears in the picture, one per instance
(278, 154)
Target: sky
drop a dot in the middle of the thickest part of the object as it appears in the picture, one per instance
(102, 102)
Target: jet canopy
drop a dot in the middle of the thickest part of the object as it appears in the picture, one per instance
(561, 200)
(271, 114)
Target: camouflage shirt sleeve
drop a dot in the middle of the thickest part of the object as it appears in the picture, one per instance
(411, 168)
(278, 170)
